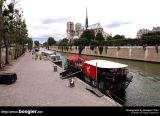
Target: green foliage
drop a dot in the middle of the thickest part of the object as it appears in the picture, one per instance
(71, 48)
(17, 49)
(109, 38)
(92, 47)
(63, 42)
(124, 42)
(144, 47)
(66, 47)
(45, 44)
(100, 49)
(81, 49)
(152, 38)
(36, 43)
(51, 41)
(118, 48)
(30, 43)
(156, 48)
(87, 36)
(13, 28)
(99, 38)
(117, 37)
(81, 42)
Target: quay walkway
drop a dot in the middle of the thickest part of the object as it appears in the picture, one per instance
(39, 85)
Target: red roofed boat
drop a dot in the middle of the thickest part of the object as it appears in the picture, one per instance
(102, 74)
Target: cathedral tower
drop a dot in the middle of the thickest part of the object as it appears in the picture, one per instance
(70, 30)
(77, 29)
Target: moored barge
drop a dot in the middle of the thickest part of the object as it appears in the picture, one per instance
(106, 76)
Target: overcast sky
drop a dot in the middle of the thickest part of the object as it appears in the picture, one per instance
(47, 18)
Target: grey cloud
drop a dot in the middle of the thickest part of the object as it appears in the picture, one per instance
(59, 36)
(54, 20)
(117, 24)
(37, 27)
(43, 38)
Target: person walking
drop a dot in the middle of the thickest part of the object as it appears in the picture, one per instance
(71, 82)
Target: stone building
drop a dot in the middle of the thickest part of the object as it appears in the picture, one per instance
(141, 32)
(144, 31)
(76, 33)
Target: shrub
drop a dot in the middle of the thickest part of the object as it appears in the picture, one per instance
(100, 49)
(80, 49)
(144, 47)
(118, 48)
(156, 48)
(92, 47)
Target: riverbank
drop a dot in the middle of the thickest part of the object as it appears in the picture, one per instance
(143, 90)
(39, 85)
(139, 53)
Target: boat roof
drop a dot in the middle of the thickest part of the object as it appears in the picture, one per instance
(72, 57)
(106, 64)
(48, 52)
(77, 57)
(55, 55)
(84, 58)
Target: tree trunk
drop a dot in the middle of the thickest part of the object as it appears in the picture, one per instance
(6, 46)
(0, 35)
(7, 62)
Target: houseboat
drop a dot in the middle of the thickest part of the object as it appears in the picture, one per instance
(50, 55)
(106, 75)
(101, 74)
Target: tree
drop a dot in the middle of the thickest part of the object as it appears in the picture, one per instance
(30, 43)
(51, 41)
(99, 38)
(87, 36)
(1, 23)
(36, 43)
(13, 30)
(63, 42)
(152, 38)
(45, 44)
(109, 38)
(116, 37)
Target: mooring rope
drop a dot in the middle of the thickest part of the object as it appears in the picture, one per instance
(118, 98)
(112, 98)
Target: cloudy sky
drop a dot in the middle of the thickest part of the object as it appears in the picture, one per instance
(46, 18)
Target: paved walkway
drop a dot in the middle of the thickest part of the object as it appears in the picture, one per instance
(38, 85)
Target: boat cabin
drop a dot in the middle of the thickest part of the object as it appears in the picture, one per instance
(105, 75)
(76, 62)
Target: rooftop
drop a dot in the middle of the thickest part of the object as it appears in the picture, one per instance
(94, 26)
(106, 64)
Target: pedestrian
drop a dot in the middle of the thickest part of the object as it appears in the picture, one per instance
(36, 56)
(71, 82)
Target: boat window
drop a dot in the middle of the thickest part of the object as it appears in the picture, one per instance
(87, 78)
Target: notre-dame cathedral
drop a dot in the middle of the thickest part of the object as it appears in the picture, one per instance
(76, 33)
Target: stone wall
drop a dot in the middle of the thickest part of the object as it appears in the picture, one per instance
(124, 52)
(11, 54)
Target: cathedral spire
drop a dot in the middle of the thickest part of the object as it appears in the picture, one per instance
(86, 24)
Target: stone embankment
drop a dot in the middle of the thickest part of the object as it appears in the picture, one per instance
(149, 53)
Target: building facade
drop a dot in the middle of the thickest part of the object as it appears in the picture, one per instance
(79, 29)
(144, 31)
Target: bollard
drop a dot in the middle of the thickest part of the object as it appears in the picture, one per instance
(55, 68)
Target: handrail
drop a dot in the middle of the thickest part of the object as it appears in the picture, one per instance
(72, 74)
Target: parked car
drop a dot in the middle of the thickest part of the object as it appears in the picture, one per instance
(8, 78)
